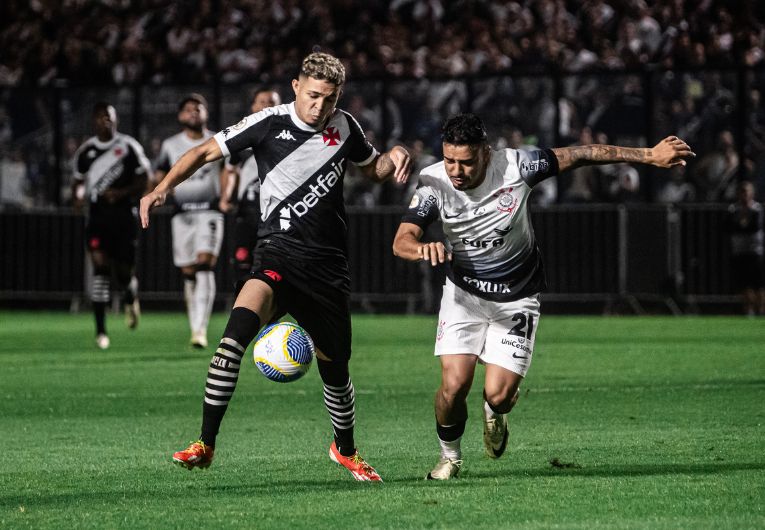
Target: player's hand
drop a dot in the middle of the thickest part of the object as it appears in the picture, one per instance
(402, 162)
(434, 252)
(150, 200)
(671, 151)
(225, 206)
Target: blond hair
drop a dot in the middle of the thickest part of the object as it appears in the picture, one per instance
(323, 66)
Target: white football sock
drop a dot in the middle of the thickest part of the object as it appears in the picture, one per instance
(189, 287)
(451, 449)
(204, 297)
(490, 414)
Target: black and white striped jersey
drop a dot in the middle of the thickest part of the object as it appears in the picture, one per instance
(301, 172)
(249, 184)
(201, 190)
(488, 228)
(110, 165)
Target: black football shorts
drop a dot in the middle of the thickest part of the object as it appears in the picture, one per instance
(316, 292)
(115, 232)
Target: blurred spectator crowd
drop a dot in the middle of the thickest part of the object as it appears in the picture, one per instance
(160, 41)
(438, 57)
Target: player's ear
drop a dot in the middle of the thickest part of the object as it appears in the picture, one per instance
(295, 86)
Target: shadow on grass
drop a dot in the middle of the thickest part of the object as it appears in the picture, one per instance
(293, 485)
(606, 471)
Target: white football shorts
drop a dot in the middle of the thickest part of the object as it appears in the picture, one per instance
(196, 233)
(500, 333)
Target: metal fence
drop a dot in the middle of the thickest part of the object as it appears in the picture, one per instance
(43, 126)
(636, 256)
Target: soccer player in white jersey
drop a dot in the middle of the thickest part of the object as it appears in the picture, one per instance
(300, 263)
(243, 191)
(490, 305)
(197, 226)
(110, 173)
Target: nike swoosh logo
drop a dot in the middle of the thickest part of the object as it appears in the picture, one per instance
(516, 356)
(447, 216)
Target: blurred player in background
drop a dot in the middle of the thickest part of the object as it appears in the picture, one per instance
(243, 188)
(300, 265)
(110, 173)
(490, 304)
(197, 226)
(744, 224)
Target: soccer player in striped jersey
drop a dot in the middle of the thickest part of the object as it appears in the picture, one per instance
(300, 263)
(490, 305)
(110, 173)
(197, 226)
(243, 190)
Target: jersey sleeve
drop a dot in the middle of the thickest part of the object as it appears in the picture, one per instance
(163, 162)
(143, 166)
(79, 166)
(247, 133)
(423, 208)
(536, 165)
(362, 153)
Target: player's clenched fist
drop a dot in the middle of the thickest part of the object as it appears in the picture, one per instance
(433, 252)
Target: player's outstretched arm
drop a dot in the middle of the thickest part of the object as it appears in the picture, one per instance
(396, 162)
(191, 160)
(229, 186)
(670, 152)
(407, 245)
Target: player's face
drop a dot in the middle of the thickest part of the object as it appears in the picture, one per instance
(465, 164)
(105, 122)
(315, 99)
(263, 100)
(193, 115)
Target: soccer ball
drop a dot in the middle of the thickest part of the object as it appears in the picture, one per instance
(283, 352)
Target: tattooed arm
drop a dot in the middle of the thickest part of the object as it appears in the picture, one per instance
(671, 151)
(396, 163)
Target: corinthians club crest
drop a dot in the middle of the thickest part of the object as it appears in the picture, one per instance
(506, 201)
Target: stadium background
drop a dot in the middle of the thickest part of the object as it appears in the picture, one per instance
(624, 422)
(546, 73)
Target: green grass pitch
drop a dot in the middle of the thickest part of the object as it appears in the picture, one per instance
(653, 422)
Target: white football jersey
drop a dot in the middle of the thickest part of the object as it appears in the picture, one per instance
(200, 190)
(488, 228)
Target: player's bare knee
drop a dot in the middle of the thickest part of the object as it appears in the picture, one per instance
(454, 386)
(206, 262)
(501, 398)
(256, 295)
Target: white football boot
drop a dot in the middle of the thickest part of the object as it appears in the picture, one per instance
(102, 341)
(446, 469)
(494, 434)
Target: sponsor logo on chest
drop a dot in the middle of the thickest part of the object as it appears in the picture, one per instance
(324, 184)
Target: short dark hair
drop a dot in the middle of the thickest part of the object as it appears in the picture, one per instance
(464, 129)
(101, 106)
(196, 98)
(260, 89)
